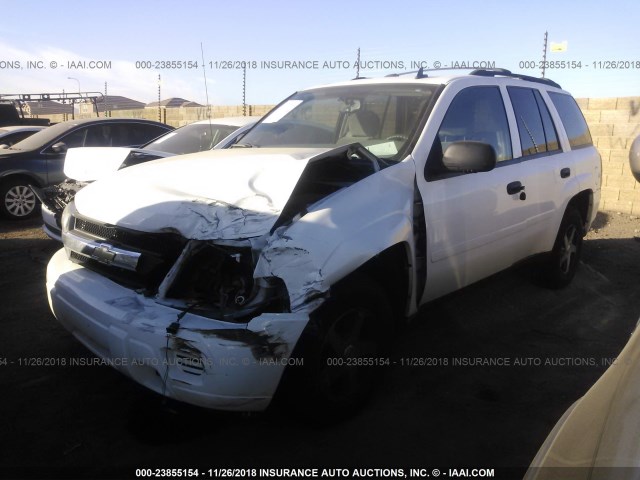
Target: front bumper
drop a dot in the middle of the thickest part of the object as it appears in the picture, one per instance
(209, 363)
(50, 225)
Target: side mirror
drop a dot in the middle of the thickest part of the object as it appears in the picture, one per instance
(469, 157)
(59, 147)
(634, 158)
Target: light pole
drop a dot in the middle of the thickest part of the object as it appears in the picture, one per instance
(73, 103)
(73, 78)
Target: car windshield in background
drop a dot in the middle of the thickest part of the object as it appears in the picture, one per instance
(43, 137)
(383, 118)
(191, 138)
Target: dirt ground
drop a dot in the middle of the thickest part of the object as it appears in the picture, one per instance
(60, 421)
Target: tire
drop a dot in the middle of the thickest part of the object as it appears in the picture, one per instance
(562, 263)
(342, 336)
(17, 200)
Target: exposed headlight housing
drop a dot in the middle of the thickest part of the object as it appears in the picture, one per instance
(66, 220)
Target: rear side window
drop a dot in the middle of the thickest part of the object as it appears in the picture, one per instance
(536, 130)
(140, 133)
(572, 119)
(550, 132)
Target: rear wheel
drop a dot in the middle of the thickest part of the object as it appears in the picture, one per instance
(562, 263)
(17, 200)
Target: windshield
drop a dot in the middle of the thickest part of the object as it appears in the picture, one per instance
(191, 138)
(43, 137)
(381, 117)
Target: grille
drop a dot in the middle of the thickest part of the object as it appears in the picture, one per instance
(77, 257)
(159, 251)
(190, 363)
(96, 230)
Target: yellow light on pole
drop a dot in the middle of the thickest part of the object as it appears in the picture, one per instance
(558, 47)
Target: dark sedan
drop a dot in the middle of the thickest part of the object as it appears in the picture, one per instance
(39, 159)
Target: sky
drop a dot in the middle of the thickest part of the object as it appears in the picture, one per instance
(50, 46)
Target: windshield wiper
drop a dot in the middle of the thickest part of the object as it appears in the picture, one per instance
(243, 145)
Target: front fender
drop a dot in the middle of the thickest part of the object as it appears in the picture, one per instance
(340, 233)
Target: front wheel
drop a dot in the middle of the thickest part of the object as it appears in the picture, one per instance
(563, 260)
(18, 200)
(340, 346)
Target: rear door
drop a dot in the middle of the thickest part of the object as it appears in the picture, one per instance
(477, 223)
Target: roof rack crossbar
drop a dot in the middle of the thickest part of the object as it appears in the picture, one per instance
(481, 72)
(492, 72)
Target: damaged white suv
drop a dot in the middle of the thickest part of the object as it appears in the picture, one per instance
(218, 278)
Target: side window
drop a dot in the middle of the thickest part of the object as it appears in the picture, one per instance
(99, 136)
(478, 114)
(139, 134)
(529, 120)
(75, 139)
(572, 119)
(550, 132)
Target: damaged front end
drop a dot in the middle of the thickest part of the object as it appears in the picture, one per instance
(54, 200)
(217, 281)
(57, 197)
(211, 290)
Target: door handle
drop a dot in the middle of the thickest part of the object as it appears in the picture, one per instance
(565, 172)
(514, 187)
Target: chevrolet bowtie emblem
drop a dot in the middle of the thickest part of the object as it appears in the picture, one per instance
(103, 254)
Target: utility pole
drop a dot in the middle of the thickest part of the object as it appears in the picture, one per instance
(544, 55)
(244, 91)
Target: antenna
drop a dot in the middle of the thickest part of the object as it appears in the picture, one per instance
(206, 91)
(358, 64)
(206, 88)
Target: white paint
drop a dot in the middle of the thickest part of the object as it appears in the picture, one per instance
(129, 329)
(87, 164)
(327, 244)
(222, 194)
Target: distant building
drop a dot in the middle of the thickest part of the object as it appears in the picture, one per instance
(112, 103)
(47, 107)
(174, 102)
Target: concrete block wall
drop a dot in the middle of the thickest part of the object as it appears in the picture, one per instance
(614, 124)
(176, 117)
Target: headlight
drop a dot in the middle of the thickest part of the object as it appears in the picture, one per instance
(67, 217)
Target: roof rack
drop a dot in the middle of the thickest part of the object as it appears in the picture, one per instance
(481, 72)
(21, 99)
(503, 72)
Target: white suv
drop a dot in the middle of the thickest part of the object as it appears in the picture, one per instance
(217, 278)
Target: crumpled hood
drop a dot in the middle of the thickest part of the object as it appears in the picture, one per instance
(217, 194)
(87, 164)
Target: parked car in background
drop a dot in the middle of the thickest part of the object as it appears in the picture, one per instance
(39, 159)
(10, 114)
(634, 158)
(284, 263)
(600, 430)
(10, 135)
(199, 136)
(84, 165)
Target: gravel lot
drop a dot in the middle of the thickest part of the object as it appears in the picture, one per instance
(64, 420)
